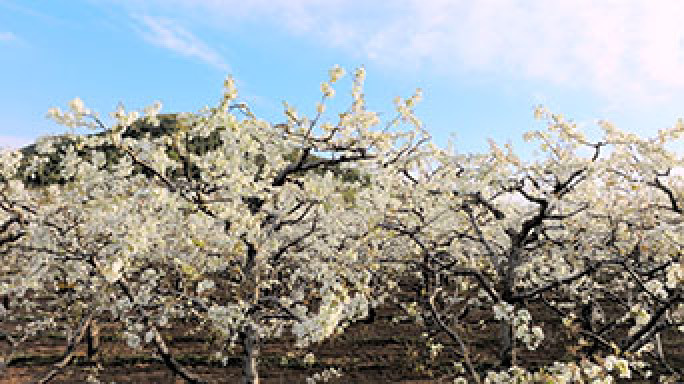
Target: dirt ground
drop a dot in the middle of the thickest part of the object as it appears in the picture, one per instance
(379, 352)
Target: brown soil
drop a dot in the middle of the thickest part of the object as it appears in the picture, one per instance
(381, 352)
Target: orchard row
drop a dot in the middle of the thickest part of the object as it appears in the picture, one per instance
(257, 231)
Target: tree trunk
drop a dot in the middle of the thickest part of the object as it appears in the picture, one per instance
(508, 355)
(93, 340)
(250, 343)
(250, 336)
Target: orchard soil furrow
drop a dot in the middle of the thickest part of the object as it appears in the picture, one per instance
(380, 352)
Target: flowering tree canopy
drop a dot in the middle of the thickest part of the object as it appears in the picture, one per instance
(253, 230)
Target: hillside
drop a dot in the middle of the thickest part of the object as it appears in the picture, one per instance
(48, 172)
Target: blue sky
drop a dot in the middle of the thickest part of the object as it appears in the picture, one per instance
(482, 65)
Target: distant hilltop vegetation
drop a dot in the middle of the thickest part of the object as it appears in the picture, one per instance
(49, 169)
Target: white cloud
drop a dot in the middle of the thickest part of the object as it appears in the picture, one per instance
(630, 50)
(14, 142)
(614, 48)
(169, 34)
(7, 36)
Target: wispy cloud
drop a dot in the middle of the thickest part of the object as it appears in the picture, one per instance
(630, 50)
(28, 10)
(169, 34)
(14, 142)
(616, 49)
(7, 36)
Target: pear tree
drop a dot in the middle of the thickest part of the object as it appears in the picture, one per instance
(254, 238)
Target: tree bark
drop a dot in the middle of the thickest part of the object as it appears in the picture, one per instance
(508, 354)
(250, 337)
(93, 340)
(250, 343)
(69, 353)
